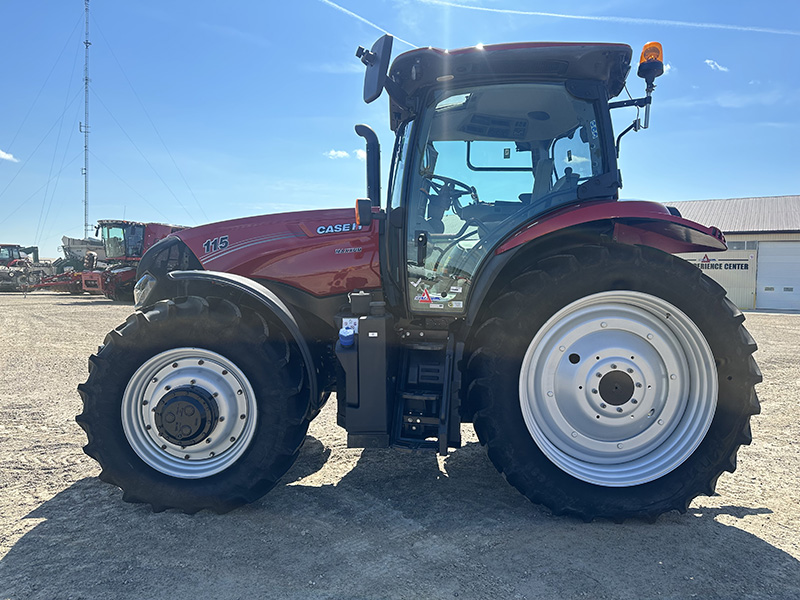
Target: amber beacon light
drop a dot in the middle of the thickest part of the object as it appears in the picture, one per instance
(651, 63)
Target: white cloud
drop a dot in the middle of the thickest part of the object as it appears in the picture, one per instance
(361, 154)
(715, 66)
(731, 99)
(334, 154)
(575, 159)
(668, 68)
(7, 156)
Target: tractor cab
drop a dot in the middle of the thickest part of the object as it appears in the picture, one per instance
(9, 253)
(488, 139)
(123, 240)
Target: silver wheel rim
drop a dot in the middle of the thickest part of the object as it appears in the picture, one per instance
(584, 362)
(213, 374)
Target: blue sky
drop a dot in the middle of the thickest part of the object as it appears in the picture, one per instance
(202, 111)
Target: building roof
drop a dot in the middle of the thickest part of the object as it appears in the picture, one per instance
(773, 214)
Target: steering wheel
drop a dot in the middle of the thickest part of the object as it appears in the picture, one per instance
(452, 190)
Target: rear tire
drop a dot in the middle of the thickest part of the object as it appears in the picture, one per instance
(195, 404)
(612, 381)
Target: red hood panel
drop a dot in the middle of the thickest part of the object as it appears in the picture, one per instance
(322, 252)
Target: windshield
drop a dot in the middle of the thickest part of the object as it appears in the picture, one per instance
(114, 241)
(122, 241)
(488, 159)
(134, 240)
(7, 253)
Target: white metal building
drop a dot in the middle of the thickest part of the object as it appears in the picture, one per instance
(761, 268)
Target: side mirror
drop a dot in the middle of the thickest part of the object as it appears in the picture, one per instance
(377, 63)
(363, 212)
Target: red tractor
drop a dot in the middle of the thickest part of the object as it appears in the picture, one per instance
(502, 283)
(18, 272)
(124, 243)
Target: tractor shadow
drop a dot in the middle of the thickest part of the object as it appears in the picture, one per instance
(394, 525)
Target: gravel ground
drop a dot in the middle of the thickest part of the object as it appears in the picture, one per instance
(348, 523)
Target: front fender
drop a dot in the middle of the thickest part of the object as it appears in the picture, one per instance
(634, 222)
(269, 301)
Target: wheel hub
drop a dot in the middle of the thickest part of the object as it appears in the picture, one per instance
(616, 388)
(186, 416)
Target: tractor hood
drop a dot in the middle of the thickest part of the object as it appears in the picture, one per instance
(322, 252)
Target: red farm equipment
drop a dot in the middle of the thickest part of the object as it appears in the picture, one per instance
(124, 243)
(20, 268)
(502, 283)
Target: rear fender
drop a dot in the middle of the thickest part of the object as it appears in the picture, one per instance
(271, 303)
(634, 222)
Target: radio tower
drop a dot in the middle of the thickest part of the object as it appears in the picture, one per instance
(84, 127)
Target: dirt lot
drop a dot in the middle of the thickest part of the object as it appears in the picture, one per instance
(367, 524)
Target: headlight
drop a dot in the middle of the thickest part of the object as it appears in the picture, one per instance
(142, 289)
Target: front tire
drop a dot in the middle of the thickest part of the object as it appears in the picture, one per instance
(612, 381)
(195, 404)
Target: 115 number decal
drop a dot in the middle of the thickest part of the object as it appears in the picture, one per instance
(215, 244)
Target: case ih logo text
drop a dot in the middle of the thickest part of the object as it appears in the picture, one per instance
(337, 228)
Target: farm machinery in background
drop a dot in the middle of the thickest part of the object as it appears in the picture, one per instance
(500, 283)
(124, 243)
(20, 268)
(109, 268)
(67, 275)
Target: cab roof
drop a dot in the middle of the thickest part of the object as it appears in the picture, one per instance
(414, 72)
